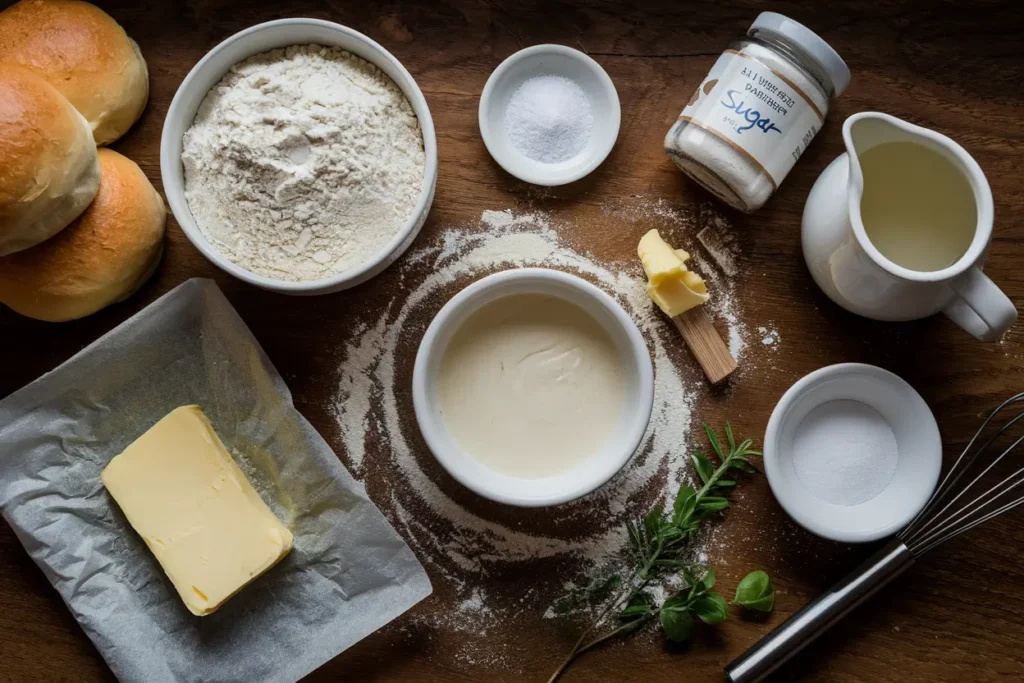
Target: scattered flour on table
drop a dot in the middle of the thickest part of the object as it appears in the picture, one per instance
(368, 386)
(469, 548)
(769, 336)
(720, 242)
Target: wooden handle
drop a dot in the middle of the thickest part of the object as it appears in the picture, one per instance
(705, 344)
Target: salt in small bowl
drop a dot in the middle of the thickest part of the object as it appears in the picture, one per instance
(554, 60)
(917, 438)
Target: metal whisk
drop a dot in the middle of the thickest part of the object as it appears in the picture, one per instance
(952, 509)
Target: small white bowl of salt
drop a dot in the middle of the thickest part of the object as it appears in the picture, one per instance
(549, 115)
(852, 452)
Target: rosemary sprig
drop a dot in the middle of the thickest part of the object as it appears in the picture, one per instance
(658, 545)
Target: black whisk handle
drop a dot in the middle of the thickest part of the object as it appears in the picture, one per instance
(800, 630)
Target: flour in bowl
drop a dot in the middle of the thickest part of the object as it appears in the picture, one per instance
(303, 162)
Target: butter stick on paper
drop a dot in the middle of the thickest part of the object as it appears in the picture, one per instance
(195, 509)
(679, 293)
(348, 574)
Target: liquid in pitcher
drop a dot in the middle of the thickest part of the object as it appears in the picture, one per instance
(918, 207)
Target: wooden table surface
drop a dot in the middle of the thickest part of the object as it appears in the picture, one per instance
(956, 67)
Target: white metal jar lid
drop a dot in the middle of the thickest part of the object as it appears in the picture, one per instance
(807, 40)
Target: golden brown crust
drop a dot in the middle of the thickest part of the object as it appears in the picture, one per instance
(85, 54)
(102, 257)
(48, 167)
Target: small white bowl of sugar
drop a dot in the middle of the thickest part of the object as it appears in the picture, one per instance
(852, 452)
(549, 115)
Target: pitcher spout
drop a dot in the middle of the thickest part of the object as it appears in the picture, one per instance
(869, 129)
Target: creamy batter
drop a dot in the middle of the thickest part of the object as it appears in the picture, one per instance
(531, 385)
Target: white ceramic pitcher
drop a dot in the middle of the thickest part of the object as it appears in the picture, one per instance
(852, 271)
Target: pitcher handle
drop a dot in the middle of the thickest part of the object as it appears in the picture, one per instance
(979, 306)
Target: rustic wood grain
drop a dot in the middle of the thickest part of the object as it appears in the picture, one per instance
(955, 66)
(706, 344)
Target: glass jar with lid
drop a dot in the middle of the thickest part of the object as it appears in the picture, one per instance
(756, 111)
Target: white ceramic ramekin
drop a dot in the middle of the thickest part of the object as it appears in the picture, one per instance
(252, 41)
(917, 440)
(588, 475)
(556, 60)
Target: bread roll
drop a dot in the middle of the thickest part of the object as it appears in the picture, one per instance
(83, 53)
(48, 167)
(102, 257)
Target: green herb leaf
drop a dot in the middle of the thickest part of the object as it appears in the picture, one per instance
(709, 579)
(755, 592)
(713, 439)
(711, 608)
(660, 547)
(634, 535)
(741, 463)
(703, 466)
(639, 605)
(676, 601)
(713, 503)
(686, 501)
(688, 577)
(677, 623)
(652, 522)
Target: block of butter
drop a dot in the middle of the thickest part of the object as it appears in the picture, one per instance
(195, 509)
(669, 283)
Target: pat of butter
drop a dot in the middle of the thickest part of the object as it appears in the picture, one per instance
(669, 283)
(194, 508)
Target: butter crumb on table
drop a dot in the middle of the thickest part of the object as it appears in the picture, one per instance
(198, 514)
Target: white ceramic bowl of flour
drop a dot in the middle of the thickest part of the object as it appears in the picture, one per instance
(608, 443)
(259, 39)
(852, 452)
(549, 60)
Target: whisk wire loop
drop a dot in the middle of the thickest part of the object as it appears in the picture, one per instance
(940, 520)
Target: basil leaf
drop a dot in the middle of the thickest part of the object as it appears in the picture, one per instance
(711, 608)
(688, 577)
(764, 604)
(709, 579)
(677, 624)
(755, 592)
(676, 601)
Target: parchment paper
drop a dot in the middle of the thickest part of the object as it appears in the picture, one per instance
(348, 574)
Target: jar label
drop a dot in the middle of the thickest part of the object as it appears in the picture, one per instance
(755, 110)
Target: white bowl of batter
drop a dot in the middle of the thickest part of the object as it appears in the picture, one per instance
(533, 387)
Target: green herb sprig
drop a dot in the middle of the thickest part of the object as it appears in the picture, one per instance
(658, 545)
